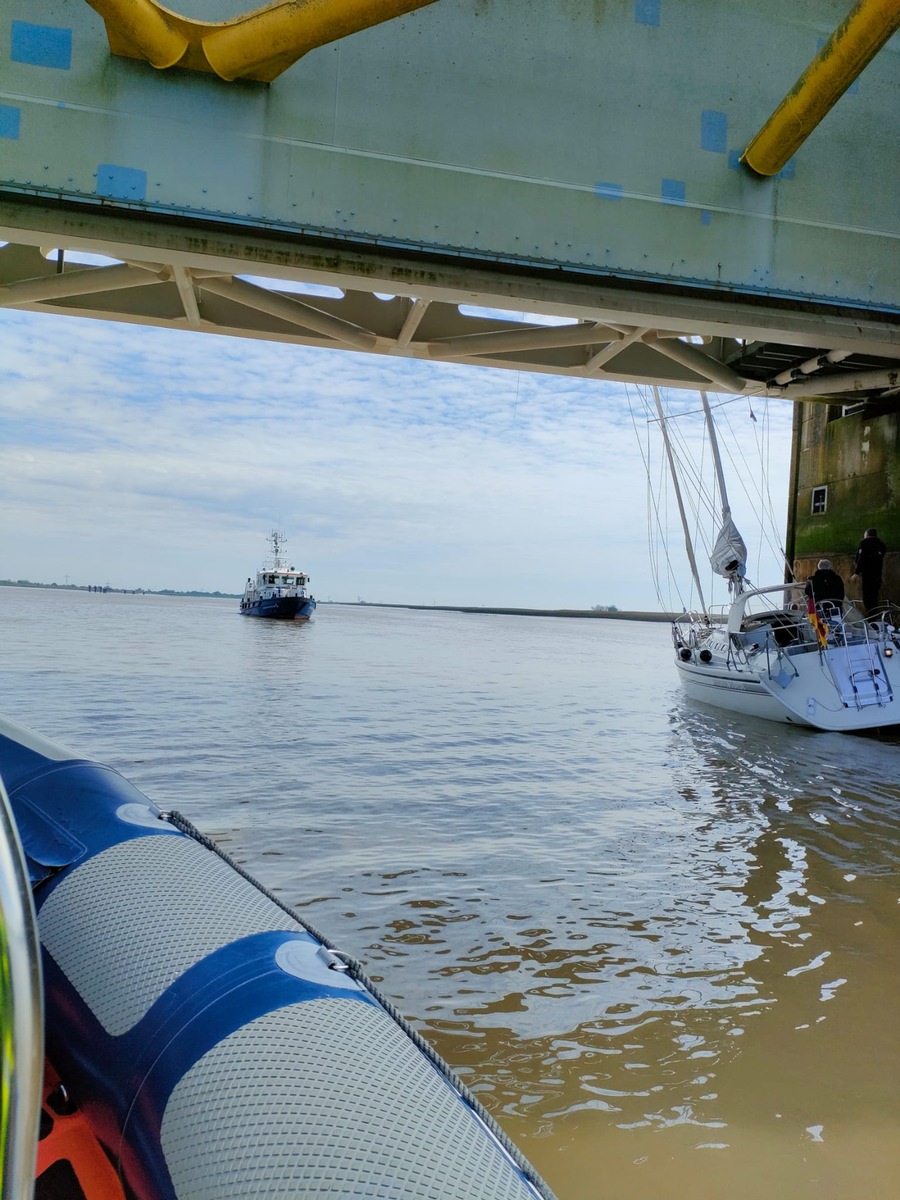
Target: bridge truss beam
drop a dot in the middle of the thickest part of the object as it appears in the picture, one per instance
(236, 282)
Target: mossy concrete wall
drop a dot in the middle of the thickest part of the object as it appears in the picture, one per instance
(857, 458)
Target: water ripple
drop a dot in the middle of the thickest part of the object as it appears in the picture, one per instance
(638, 928)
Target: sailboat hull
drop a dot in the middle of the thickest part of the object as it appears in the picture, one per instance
(839, 689)
(732, 690)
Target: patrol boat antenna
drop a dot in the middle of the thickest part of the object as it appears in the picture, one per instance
(278, 542)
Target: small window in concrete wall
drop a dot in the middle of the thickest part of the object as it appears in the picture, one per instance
(819, 500)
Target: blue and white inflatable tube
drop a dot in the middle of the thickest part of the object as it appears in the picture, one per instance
(218, 1048)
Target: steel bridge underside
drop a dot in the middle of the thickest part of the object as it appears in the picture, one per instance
(333, 295)
(534, 188)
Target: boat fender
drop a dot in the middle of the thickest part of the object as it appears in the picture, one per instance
(173, 979)
(684, 654)
(705, 656)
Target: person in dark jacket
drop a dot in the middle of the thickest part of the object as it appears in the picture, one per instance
(825, 584)
(868, 567)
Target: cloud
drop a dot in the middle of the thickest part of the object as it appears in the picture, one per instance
(153, 458)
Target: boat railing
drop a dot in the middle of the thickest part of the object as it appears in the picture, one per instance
(694, 619)
(21, 1015)
(844, 624)
(690, 628)
(792, 627)
(776, 620)
(856, 647)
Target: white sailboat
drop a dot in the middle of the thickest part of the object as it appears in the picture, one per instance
(772, 652)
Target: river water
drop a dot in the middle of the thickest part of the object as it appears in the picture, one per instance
(658, 941)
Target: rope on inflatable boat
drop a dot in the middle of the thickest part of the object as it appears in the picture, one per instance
(356, 971)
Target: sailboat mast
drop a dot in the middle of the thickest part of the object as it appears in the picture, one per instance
(689, 545)
(714, 446)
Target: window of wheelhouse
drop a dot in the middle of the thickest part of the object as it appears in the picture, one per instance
(819, 500)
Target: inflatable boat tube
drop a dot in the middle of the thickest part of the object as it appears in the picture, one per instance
(219, 1048)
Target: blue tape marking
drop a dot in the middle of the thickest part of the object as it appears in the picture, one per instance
(646, 12)
(713, 131)
(674, 191)
(734, 160)
(41, 45)
(121, 183)
(608, 191)
(10, 119)
(706, 217)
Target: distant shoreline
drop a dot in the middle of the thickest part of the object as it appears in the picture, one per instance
(521, 612)
(590, 613)
(108, 590)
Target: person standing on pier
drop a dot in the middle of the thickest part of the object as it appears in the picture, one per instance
(868, 567)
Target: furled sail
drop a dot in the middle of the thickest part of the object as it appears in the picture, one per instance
(729, 555)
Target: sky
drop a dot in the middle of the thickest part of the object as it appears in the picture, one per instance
(152, 458)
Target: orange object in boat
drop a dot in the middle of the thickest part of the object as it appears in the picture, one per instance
(71, 1164)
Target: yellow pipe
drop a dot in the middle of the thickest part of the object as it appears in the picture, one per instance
(258, 45)
(846, 53)
(140, 29)
(266, 42)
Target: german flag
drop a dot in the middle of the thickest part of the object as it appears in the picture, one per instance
(816, 621)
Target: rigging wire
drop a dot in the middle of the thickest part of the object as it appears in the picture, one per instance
(689, 447)
(756, 484)
(700, 492)
(656, 525)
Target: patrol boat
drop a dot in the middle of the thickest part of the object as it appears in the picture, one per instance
(280, 591)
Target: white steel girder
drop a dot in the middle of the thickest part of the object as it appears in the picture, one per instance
(182, 278)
